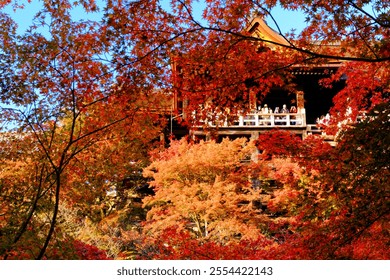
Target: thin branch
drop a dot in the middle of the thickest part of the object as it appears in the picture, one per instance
(31, 211)
(262, 75)
(275, 22)
(364, 39)
(368, 14)
(301, 50)
(290, 44)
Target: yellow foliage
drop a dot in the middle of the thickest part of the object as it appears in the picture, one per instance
(204, 188)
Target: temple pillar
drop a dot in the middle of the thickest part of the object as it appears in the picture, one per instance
(300, 100)
(255, 153)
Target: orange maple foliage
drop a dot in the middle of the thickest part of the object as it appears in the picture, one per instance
(201, 189)
(84, 97)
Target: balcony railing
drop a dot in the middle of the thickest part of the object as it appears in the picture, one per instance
(262, 120)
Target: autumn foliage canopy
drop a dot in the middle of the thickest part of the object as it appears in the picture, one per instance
(89, 168)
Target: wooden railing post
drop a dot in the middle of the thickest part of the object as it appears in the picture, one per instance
(241, 121)
(258, 119)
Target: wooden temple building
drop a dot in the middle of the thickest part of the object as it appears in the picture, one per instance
(298, 112)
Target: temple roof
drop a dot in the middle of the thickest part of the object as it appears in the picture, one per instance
(259, 28)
